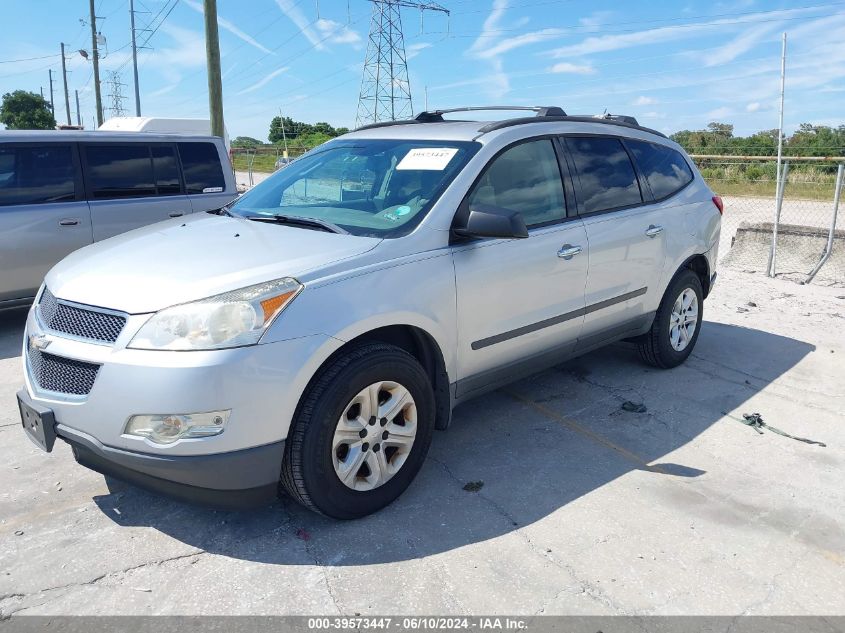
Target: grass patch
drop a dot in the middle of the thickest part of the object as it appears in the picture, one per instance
(766, 189)
(260, 162)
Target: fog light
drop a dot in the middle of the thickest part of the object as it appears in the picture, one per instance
(167, 428)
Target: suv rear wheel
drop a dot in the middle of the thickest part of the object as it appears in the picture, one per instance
(676, 324)
(361, 433)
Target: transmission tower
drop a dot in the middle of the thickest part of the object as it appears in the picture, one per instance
(385, 91)
(116, 94)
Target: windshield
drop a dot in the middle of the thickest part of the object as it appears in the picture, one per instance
(378, 188)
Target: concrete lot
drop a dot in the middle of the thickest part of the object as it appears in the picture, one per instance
(585, 508)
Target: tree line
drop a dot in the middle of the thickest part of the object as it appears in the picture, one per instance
(808, 140)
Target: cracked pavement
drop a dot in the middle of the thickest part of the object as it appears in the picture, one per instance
(584, 509)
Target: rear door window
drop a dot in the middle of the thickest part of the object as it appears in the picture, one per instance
(201, 168)
(119, 171)
(165, 170)
(605, 173)
(664, 168)
(37, 174)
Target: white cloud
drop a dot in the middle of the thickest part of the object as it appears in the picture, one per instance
(295, 15)
(415, 49)
(720, 113)
(612, 42)
(264, 81)
(594, 21)
(226, 24)
(642, 100)
(337, 33)
(753, 106)
(653, 115)
(518, 41)
(575, 69)
(744, 42)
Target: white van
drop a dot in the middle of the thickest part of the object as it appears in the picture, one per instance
(160, 125)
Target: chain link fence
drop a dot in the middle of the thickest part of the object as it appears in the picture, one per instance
(810, 243)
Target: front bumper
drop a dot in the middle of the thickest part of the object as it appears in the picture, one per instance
(240, 479)
(260, 385)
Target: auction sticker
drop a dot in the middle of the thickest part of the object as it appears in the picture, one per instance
(428, 158)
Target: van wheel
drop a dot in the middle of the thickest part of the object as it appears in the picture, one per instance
(676, 324)
(360, 434)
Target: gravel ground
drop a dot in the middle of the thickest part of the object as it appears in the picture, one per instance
(577, 506)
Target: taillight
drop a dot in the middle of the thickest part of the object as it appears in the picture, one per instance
(717, 200)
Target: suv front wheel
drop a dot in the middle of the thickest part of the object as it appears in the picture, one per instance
(676, 324)
(361, 432)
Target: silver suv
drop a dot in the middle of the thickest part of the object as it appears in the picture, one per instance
(312, 335)
(60, 191)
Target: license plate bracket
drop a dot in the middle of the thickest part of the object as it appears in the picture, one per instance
(38, 422)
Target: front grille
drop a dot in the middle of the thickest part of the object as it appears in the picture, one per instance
(88, 324)
(62, 375)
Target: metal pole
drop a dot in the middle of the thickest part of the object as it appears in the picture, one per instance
(78, 115)
(52, 107)
(212, 54)
(64, 79)
(829, 248)
(778, 206)
(781, 179)
(284, 135)
(95, 58)
(135, 58)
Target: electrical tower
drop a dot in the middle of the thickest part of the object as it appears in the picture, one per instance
(116, 95)
(385, 91)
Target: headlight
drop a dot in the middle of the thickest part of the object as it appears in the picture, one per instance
(231, 319)
(166, 429)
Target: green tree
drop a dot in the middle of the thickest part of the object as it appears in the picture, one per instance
(22, 110)
(245, 141)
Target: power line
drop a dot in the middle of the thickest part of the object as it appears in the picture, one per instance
(29, 59)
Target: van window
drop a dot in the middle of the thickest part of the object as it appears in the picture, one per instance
(201, 168)
(605, 172)
(36, 174)
(120, 171)
(524, 178)
(664, 168)
(166, 170)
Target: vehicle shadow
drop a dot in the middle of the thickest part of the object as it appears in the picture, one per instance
(509, 459)
(12, 323)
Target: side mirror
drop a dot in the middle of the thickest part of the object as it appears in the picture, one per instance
(484, 220)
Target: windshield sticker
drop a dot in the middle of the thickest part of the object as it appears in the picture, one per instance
(428, 158)
(403, 210)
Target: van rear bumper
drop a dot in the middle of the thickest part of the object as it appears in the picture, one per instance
(233, 480)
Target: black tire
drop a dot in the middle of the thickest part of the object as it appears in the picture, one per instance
(308, 474)
(654, 346)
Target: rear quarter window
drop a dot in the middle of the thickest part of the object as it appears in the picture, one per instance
(201, 168)
(664, 168)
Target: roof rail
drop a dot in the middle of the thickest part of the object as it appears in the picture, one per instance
(621, 120)
(436, 116)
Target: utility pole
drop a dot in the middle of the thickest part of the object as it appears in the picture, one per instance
(135, 58)
(96, 59)
(78, 115)
(64, 79)
(212, 54)
(385, 91)
(284, 136)
(52, 107)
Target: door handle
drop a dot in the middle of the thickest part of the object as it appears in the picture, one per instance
(175, 214)
(653, 230)
(68, 221)
(567, 251)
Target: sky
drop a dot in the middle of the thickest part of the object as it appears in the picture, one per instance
(674, 65)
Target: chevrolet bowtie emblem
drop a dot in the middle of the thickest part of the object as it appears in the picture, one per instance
(38, 341)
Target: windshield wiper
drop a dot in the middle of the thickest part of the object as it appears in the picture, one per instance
(307, 223)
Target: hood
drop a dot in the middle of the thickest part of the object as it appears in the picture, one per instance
(192, 258)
